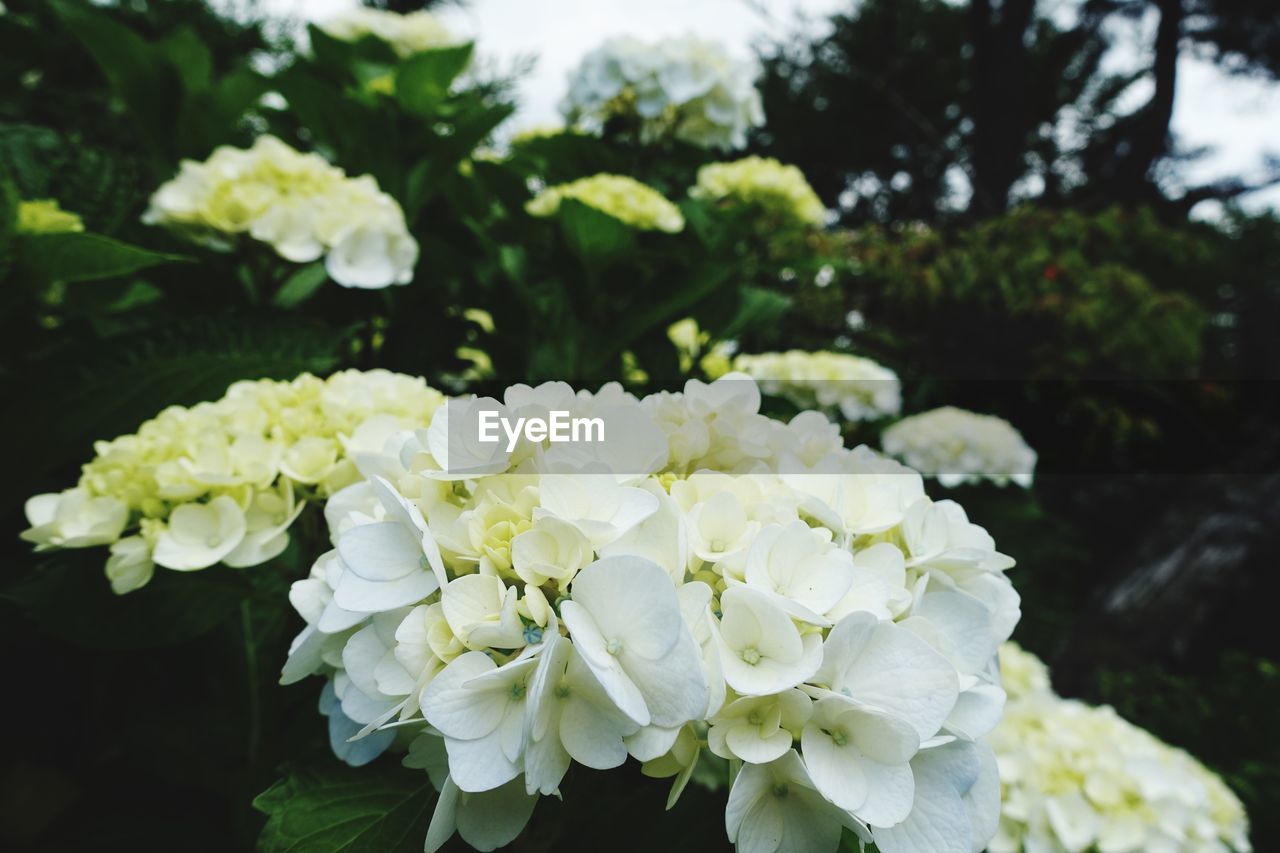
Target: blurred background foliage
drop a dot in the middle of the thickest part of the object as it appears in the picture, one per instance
(949, 110)
(1008, 238)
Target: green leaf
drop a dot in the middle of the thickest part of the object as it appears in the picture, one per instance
(327, 807)
(103, 187)
(102, 303)
(336, 56)
(189, 57)
(423, 80)
(299, 287)
(596, 238)
(567, 156)
(83, 257)
(346, 125)
(759, 308)
(702, 282)
(135, 69)
(212, 116)
(437, 172)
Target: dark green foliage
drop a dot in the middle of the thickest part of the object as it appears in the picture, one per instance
(165, 76)
(77, 257)
(325, 806)
(113, 386)
(1085, 325)
(66, 594)
(880, 96)
(102, 187)
(912, 110)
(923, 109)
(1053, 296)
(320, 805)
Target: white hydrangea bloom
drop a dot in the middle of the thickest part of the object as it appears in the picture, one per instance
(957, 446)
(407, 34)
(718, 580)
(857, 388)
(1077, 777)
(778, 191)
(684, 88)
(222, 482)
(621, 197)
(298, 203)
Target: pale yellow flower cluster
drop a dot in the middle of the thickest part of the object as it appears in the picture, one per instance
(406, 34)
(1077, 777)
(1021, 673)
(858, 388)
(300, 204)
(623, 198)
(222, 481)
(778, 190)
(44, 216)
(691, 343)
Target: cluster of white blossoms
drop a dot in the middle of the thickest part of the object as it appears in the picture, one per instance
(221, 482)
(407, 34)
(684, 88)
(706, 578)
(779, 191)
(625, 199)
(300, 204)
(958, 446)
(858, 388)
(1077, 777)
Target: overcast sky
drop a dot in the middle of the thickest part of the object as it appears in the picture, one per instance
(1239, 118)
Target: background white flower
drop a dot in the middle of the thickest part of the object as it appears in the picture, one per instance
(957, 446)
(1078, 777)
(298, 203)
(683, 88)
(856, 388)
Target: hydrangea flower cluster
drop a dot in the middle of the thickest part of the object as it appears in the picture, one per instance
(619, 196)
(222, 482)
(44, 216)
(301, 205)
(407, 34)
(1077, 777)
(683, 88)
(857, 388)
(780, 192)
(716, 581)
(1021, 673)
(958, 446)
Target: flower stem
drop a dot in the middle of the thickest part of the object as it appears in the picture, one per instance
(251, 673)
